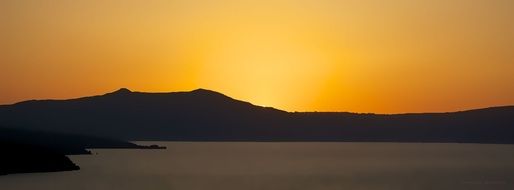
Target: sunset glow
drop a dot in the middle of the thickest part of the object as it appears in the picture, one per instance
(298, 55)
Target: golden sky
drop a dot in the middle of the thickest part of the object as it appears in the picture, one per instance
(298, 55)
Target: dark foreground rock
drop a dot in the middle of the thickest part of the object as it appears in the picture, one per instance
(26, 151)
(67, 144)
(24, 158)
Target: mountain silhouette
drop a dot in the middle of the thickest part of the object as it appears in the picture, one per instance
(204, 115)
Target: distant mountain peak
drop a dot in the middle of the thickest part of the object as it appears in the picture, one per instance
(206, 91)
(209, 93)
(121, 91)
(203, 90)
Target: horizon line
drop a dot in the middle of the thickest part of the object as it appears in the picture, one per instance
(128, 90)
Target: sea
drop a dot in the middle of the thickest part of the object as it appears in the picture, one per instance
(283, 166)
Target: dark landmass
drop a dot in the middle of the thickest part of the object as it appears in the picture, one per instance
(24, 158)
(24, 151)
(203, 115)
(67, 144)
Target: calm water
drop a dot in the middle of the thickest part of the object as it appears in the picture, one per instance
(246, 166)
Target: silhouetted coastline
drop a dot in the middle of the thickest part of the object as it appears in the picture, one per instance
(204, 115)
(25, 158)
(25, 151)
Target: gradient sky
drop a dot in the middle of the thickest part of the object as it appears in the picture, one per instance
(299, 55)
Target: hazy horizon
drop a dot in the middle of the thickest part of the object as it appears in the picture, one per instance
(135, 91)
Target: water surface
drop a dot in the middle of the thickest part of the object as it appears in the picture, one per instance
(236, 166)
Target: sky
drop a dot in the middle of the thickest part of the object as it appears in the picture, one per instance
(366, 56)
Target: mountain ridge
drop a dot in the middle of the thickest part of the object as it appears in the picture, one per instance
(212, 116)
(127, 91)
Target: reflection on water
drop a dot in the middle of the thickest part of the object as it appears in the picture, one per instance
(226, 166)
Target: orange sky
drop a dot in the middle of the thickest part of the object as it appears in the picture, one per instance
(298, 55)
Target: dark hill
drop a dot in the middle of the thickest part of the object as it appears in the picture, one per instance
(26, 158)
(67, 144)
(203, 115)
(25, 151)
